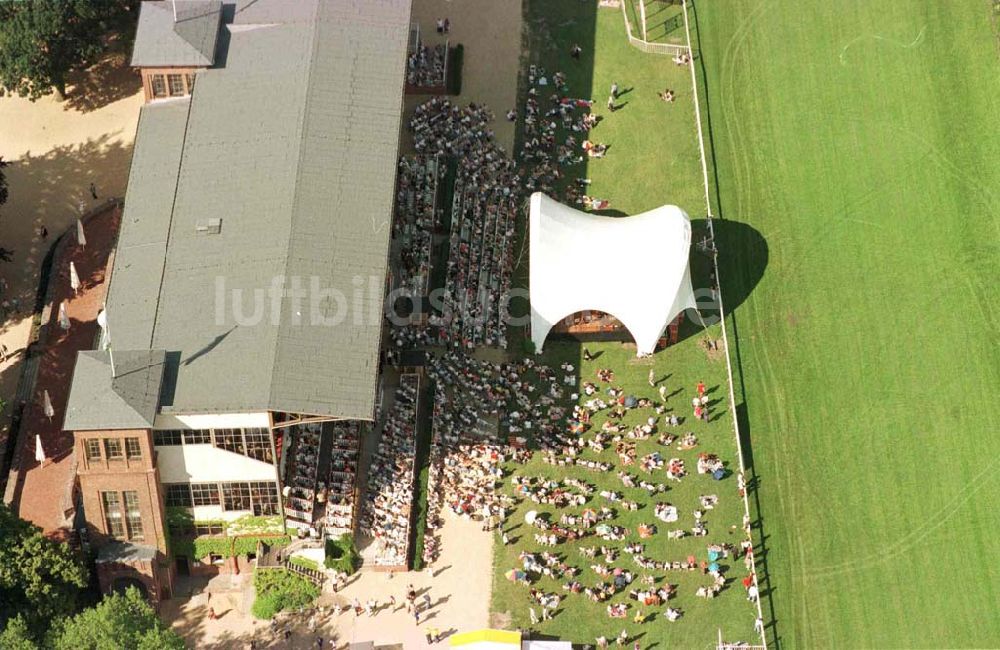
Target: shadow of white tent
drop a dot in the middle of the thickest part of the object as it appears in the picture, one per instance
(634, 268)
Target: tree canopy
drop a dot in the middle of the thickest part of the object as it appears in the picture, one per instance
(40, 579)
(41, 41)
(119, 621)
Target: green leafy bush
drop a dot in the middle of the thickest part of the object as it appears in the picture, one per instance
(342, 555)
(280, 589)
(304, 562)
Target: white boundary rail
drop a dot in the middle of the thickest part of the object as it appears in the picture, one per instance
(652, 48)
(722, 312)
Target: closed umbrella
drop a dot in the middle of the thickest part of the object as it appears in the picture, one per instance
(47, 404)
(80, 237)
(74, 278)
(39, 450)
(63, 318)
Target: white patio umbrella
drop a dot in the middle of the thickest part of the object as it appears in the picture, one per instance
(530, 517)
(74, 278)
(80, 237)
(39, 450)
(47, 404)
(63, 318)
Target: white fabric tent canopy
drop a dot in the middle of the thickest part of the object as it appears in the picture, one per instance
(634, 268)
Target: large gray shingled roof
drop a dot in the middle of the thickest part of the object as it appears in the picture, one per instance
(188, 41)
(293, 145)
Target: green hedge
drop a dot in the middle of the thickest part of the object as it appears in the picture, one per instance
(280, 589)
(342, 555)
(304, 562)
(200, 547)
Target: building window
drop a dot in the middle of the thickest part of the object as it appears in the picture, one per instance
(258, 443)
(132, 516)
(178, 494)
(189, 78)
(230, 439)
(175, 83)
(113, 515)
(235, 496)
(113, 448)
(265, 498)
(157, 85)
(166, 437)
(209, 529)
(197, 437)
(133, 450)
(92, 447)
(205, 494)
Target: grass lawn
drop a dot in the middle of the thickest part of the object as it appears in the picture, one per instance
(653, 159)
(581, 620)
(861, 140)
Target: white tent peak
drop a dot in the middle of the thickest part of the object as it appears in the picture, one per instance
(634, 268)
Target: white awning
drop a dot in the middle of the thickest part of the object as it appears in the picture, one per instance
(634, 268)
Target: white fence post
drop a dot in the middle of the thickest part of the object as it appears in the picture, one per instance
(642, 14)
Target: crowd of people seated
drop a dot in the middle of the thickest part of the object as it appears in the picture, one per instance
(338, 491)
(484, 203)
(426, 66)
(300, 480)
(417, 217)
(386, 516)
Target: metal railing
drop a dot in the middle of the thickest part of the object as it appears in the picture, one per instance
(722, 318)
(649, 47)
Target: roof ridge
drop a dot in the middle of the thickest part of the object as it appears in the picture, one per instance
(300, 153)
(170, 221)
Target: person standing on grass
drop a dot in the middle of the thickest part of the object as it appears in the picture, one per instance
(663, 393)
(701, 389)
(575, 51)
(652, 377)
(611, 104)
(758, 626)
(533, 616)
(614, 90)
(587, 356)
(752, 593)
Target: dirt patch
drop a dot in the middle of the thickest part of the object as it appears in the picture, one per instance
(714, 349)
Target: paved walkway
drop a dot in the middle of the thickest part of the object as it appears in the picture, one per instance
(490, 32)
(459, 590)
(42, 492)
(55, 150)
